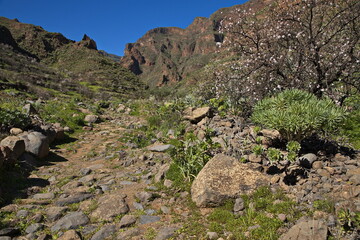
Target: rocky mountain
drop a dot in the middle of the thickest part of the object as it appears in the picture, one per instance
(45, 63)
(167, 55)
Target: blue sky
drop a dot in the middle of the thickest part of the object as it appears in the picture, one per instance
(111, 23)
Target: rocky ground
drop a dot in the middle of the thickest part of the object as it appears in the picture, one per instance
(99, 186)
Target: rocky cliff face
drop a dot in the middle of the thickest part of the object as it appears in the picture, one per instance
(167, 55)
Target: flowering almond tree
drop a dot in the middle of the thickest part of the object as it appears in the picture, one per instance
(307, 44)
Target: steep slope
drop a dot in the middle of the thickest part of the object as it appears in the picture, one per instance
(41, 62)
(168, 55)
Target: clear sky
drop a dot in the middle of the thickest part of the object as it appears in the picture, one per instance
(111, 23)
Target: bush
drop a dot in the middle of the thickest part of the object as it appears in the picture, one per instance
(13, 118)
(297, 114)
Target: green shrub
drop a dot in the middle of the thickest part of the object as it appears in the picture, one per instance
(258, 150)
(293, 149)
(274, 155)
(13, 118)
(297, 114)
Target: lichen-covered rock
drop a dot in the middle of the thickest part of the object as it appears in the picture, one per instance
(222, 178)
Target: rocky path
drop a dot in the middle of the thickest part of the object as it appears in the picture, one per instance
(102, 189)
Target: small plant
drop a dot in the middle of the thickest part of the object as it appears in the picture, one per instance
(297, 114)
(258, 150)
(13, 118)
(258, 140)
(274, 155)
(349, 220)
(293, 148)
(324, 205)
(191, 154)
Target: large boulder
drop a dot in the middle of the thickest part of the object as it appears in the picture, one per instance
(222, 178)
(307, 230)
(36, 143)
(15, 144)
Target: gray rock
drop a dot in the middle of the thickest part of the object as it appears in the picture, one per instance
(12, 232)
(22, 213)
(355, 179)
(74, 199)
(212, 235)
(91, 118)
(110, 206)
(254, 158)
(307, 230)
(223, 178)
(282, 217)
(85, 171)
(5, 238)
(54, 213)
(160, 148)
(144, 197)
(29, 109)
(145, 219)
(15, 144)
(129, 233)
(307, 160)
(127, 221)
(168, 183)
(239, 205)
(34, 228)
(104, 232)
(70, 235)
(166, 233)
(161, 173)
(44, 196)
(72, 220)
(36, 143)
(138, 206)
(165, 209)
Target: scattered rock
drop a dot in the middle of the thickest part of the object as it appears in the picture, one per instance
(255, 158)
(307, 160)
(166, 233)
(72, 220)
(144, 197)
(73, 199)
(54, 213)
(11, 232)
(161, 173)
(160, 148)
(145, 219)
(70, 235)
(127, 221)
(307, 230)
(128, 234)
(110, 206)
(29, 109)
(91, 119)
(212, 235)
(104, 232)
(34, 228)
(196, 115)
(222, 178)
(168, 183)
(22, 213)
(44, 196)
(239, 205)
